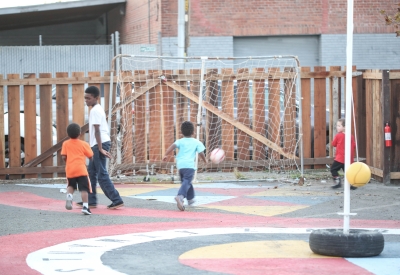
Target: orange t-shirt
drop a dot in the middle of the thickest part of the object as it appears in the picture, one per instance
(76, 152)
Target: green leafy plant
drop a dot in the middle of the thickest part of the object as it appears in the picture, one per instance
(238, 175)
(393, 19)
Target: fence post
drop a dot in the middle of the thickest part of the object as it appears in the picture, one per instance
(2, 139)
(386, 118)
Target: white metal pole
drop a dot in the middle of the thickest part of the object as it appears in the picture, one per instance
(349, 92)
(181, 28)
(199, 111)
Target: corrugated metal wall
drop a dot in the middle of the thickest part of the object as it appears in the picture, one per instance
(52, 59)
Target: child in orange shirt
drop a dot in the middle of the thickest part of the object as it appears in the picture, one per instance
(74, 152)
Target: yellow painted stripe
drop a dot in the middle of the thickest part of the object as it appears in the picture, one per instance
(254, 250)
(265, 211)
(135, 191)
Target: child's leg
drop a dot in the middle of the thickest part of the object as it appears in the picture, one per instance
(190, 192)
(85, 196)
(186, 178)
(70, 192)
(336, 166)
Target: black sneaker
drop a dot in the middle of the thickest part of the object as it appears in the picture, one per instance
(116, 205)
(86, 211)
(91, 205)
(352, 187)
(338, 183)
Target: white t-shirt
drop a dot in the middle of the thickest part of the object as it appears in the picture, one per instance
(97, 116)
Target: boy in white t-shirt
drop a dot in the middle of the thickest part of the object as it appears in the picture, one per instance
(99, 140)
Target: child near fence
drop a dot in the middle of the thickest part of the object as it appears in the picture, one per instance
(185, 162)
(338, 163)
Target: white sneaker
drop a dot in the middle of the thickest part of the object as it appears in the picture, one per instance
(68, 203)
(191, 202)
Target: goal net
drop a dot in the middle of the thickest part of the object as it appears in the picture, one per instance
(249, 107)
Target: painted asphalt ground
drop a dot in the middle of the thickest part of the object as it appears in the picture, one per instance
(234, 228)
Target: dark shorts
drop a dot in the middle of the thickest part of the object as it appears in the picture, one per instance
(82, 183)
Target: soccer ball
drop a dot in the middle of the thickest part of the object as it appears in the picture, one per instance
(217, 156)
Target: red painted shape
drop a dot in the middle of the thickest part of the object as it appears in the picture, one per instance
(279, 266)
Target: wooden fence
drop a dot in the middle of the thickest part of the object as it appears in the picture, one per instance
(376, 98)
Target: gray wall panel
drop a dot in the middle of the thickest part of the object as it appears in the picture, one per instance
(52, 59)
(306, 48)
(370, 51)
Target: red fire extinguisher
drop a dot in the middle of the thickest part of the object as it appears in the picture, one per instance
(388, 136)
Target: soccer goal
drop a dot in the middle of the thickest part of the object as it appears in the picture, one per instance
(249, 107)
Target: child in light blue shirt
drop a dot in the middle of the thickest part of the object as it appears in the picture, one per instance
(185, 162)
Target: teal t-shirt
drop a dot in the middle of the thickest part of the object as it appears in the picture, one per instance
(188, 147)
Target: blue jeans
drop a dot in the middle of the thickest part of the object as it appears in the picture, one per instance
(98, 172)
(186, 190)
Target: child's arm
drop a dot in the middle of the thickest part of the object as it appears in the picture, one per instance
(64, 158)
(334, 141)
(169, 150)
(203, 157)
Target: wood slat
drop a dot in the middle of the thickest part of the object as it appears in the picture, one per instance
(319, 117)
(126, 120)
(2, 138)
(194, 107)
(243, 140)
(168, 135)
(62, 114)
(334, 106)
(369, 121)
(78, 102)
(227, 106)
(377, 120)
(274, 127)
(44, 170)
(14, 125)
(30, 144)
(212, 135)
(395, 124)
(141, 124)
(46, 122)
(258, 118)
(306, 114)
(289, 115)
(155, 123)
(181, 108)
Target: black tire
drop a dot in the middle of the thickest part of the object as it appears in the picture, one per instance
(358, 243)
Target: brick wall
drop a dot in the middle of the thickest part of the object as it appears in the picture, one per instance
(283, 17)
(248, 18)
(134, 24)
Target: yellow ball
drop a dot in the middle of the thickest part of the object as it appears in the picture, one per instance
(358, 174)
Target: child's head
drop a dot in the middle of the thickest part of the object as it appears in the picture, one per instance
(187, 128)
(340, 125)
(73, 130)
(91, 95)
